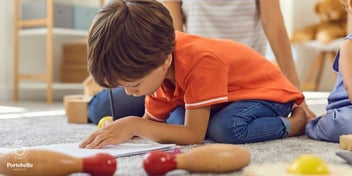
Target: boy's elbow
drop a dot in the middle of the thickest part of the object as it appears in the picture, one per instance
(188, 137)
(196, 139)
(189, 140)
(184, 142)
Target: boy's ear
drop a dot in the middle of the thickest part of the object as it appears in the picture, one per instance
(168, 61)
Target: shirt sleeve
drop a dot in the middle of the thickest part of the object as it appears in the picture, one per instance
(158, 107)
(207, 82)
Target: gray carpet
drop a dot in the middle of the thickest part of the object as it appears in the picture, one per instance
(31, 131)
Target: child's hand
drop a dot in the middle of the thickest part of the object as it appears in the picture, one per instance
(116, 132)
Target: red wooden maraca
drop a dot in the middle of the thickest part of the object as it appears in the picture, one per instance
(210, 158)
(46, 162)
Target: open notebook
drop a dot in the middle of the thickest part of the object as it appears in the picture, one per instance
(124, 149)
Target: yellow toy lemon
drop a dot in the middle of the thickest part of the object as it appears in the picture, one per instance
(308, 164)
(104, 120)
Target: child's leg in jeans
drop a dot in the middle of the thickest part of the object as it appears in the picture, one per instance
(177, 116)
(330, 126)
(253, 121)
(124, 105)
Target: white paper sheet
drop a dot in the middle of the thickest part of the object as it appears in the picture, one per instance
(120, 150)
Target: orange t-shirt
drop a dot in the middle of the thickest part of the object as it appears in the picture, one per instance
(212, 71)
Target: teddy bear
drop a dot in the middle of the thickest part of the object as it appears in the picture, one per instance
(332, 25)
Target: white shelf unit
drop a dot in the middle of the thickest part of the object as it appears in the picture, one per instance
(55, 85)
(56, 32)
(43, 29)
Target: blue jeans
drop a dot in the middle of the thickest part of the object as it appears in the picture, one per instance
(330, 126)
(244, 121)
(124, 105)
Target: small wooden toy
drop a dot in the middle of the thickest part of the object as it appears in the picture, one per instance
(45, 162)
(91, 87)
(76, 106)
(304, 165)
(209, 158)
(346, 142)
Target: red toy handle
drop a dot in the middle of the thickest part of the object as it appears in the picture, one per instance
(101, 164)
(159, 162)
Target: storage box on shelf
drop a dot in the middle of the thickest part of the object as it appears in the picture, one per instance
(62, 13)
(65, 15)
(74, 62)
(83, 16)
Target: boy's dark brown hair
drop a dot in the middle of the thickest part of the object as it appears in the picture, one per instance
(128, 39)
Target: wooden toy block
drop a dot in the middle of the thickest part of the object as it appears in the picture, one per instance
(76, 108)
(91, 87)
(346, 142)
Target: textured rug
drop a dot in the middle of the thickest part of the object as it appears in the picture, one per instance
(32, 131)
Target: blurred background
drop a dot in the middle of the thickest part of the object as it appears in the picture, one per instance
(68, 47)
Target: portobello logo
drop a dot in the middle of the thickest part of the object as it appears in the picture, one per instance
(19, 154)
(19, 151)
(19, 166)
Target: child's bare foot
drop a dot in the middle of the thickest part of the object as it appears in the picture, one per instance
(298, 122)
(310, 119)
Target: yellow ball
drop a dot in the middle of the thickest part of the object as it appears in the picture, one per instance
(103, 120)
(308, 164)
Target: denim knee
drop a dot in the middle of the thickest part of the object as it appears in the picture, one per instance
(227, 134)
(177, 116)
(124, 105)
(99, 106)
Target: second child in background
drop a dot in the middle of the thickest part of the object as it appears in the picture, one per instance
(338, 119)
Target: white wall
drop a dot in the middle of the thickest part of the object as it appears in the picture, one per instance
(287, 12)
